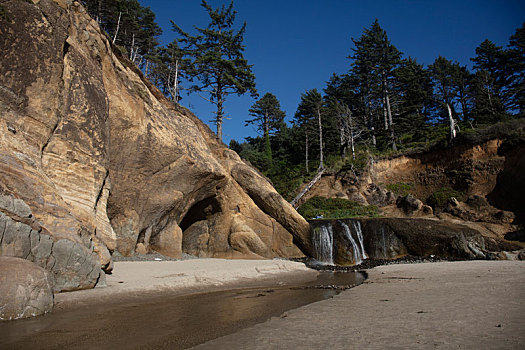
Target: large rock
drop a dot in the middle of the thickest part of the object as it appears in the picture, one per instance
(26, 290)
(390, 238)
(73, 265)
(105, 162)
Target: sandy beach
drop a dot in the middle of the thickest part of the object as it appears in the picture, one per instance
(179, 304)
(139, 278)
(451, 305)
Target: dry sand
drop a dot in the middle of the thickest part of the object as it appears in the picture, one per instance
(137, 278)
(455, 305)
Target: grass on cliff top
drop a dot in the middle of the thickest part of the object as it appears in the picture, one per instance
(335, 208)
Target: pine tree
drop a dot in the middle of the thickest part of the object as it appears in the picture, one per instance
(516, 71)
(490, 82)
(309, 110)
(374, 62)
(415, 99)
(268, 116)
(444, 74)
(217, 60)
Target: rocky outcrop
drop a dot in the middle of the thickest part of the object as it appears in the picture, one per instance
(390, 238)
(26, 290)
(106, 163)
(73, 265)
(412, 206)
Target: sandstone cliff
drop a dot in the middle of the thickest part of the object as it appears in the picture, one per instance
(108, 166)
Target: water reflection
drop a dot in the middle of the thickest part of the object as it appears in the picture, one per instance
(175, 322)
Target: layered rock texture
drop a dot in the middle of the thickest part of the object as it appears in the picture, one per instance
(106, 165)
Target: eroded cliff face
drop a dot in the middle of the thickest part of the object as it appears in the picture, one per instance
(487, 176)
(102, 159)
(470, 169)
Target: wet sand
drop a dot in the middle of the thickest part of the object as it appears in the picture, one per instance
(165, 321)
(451, 305)
(132, 279)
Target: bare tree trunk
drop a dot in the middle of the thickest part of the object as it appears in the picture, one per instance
(176, 82)
(308, 187)
(351, 125)
(99, 9)
(352, 144)
(371, 122)
(342, 139)
(388, 109)
(132, 46)
(321, 166)
(219, 117)
(390, 122)
(452, 124)
(118, 27)
(385, 114)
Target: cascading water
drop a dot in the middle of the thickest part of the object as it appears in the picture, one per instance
(345, 245)
(383, 241)
(356, 250)
(357, 228)
(359, 251)
(323, 242)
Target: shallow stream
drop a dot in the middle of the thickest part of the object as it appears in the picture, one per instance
(165, 322)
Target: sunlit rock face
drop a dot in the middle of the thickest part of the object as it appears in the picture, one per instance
(104, 161)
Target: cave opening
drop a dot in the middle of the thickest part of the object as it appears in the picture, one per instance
(201, 210)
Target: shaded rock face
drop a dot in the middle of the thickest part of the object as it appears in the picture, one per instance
(390, 238)
(509, 191)
(100, 156)
(73, 265)
(412, 206)
(26, 290)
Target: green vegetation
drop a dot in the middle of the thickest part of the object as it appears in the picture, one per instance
(214, 57)
(400, 188)
(439, 199)
(335, 208)
(385, 104)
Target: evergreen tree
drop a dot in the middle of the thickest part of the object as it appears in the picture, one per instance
(415, 99)
(490, 82)
(444, 74)
(217, 60)
(310, 110)
(268, 116)
(128, 24)
(516, 71)
(167, 69)
(374, 62)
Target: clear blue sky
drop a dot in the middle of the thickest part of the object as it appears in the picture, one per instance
(295, 45)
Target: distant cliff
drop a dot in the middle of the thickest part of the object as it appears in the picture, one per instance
(102, 164)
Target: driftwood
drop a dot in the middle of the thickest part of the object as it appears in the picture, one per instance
(307, 188)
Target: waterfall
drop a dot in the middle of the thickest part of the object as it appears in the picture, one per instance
(358, 255)
(357, 228)
(383, 241)
(323, 241)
